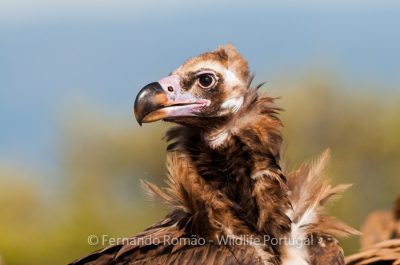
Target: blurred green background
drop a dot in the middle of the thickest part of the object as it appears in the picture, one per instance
(72, 156)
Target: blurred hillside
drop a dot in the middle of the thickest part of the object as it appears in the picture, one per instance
(102, 158)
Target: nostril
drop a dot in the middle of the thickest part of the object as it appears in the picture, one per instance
(170, 88)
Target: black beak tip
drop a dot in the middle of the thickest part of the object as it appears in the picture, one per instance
(138, 116)
(144, 101)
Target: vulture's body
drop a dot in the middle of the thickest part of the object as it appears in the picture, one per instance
(381, 226)
(380, 241)
(231, 201)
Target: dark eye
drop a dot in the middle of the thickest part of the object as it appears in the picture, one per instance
(206, 80)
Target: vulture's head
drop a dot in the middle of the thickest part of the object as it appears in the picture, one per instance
(209, 86)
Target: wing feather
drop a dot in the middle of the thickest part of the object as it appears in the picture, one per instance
(309, 194)
(386, 252)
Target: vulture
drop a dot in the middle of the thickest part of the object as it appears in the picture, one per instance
(231, 200)
(380, 241)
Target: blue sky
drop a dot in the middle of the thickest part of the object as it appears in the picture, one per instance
(55, 55)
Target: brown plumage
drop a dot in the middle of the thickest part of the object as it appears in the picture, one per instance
(381, 238)
(384, 253)
(381, 225)
(225, 186)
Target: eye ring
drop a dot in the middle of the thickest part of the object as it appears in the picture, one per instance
(206, 80)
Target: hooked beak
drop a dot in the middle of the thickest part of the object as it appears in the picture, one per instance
(165, 99)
